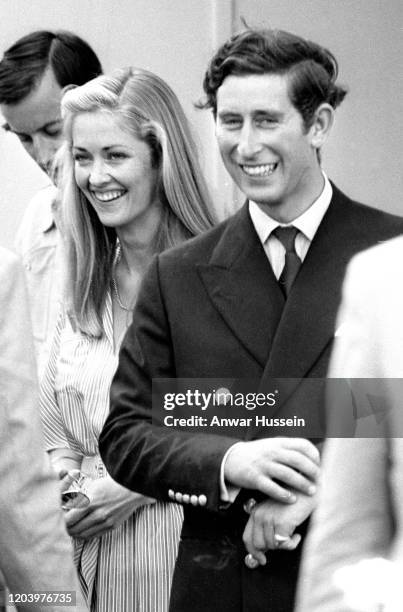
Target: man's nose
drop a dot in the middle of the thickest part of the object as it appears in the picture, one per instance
(249, 144)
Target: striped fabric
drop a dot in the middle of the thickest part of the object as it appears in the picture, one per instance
(129, 569)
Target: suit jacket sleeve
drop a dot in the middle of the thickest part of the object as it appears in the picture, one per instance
(142, 456)
(35, 551)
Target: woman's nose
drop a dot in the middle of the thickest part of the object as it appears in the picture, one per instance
(98, 174)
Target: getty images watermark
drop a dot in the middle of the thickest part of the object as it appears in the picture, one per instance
(214, 405)
(195, 398)
(304, 407)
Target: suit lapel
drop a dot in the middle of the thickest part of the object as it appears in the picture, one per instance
(240, 282)
(307, 323)
(243, 288)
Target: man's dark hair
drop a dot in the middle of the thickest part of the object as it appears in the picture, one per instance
(312, 69)
(23, 65)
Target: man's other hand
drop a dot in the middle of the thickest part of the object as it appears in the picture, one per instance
(264, 464)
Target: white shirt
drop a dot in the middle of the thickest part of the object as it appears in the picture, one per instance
(37, 243)
(307, 224)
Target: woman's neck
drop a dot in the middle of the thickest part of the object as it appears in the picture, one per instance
(137, 241)
(134, 256)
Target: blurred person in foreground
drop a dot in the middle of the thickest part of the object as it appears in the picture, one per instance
(35, 552)
(255, 298)
(132, 186)
(33, 73)
(357, 526)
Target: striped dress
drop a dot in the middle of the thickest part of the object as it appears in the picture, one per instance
(129, 569)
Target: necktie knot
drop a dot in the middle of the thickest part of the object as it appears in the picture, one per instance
(286, 235)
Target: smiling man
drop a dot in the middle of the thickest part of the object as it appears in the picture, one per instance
(33, 73)
(267, 147)
(256, 297)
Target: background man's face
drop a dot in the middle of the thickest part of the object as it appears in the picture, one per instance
(36, 120)
(264, 144)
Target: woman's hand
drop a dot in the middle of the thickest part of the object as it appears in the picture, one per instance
(110, 505)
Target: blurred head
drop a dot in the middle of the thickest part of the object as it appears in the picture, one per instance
(273, 96)
(129, 157)
(33, 73)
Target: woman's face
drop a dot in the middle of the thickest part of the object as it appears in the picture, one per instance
(113, 169)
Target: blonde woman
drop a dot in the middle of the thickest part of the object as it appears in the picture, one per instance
(132, 186)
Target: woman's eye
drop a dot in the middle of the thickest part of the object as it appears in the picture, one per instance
(116, 155)
(80, 157)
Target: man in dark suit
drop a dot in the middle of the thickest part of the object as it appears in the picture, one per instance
(254, 298)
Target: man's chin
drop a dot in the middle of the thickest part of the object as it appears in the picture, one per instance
(263, 197)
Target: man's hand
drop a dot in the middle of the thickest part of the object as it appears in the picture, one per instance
(259, 463)
(271, 526)
(110, 505)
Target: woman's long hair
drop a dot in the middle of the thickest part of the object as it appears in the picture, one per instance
(151, 111)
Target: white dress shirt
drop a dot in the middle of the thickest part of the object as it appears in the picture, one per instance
(307, 224)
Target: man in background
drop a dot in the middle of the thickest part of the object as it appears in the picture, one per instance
(36, 554)
(33, 73)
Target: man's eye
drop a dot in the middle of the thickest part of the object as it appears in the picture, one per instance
(266, 122)
(54, 133)
(54, 130)
(231, 122)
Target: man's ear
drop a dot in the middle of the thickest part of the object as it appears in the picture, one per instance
(322, 124)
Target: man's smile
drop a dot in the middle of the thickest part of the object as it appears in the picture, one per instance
(258, 170)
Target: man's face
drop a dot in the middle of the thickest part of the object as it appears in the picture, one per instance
(265, 146)
(36, 120)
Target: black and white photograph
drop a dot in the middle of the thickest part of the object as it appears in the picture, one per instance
(201, 332)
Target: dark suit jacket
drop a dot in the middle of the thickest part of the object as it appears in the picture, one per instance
(212, 308)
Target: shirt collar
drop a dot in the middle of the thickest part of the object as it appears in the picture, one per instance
(307, 223)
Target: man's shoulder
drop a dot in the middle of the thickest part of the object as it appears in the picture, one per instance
(372, 214)
(198, 250)
(37, 222)
(9, 261)
(360, 225)
(11, 272)
(376, 215)
(40, 204)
